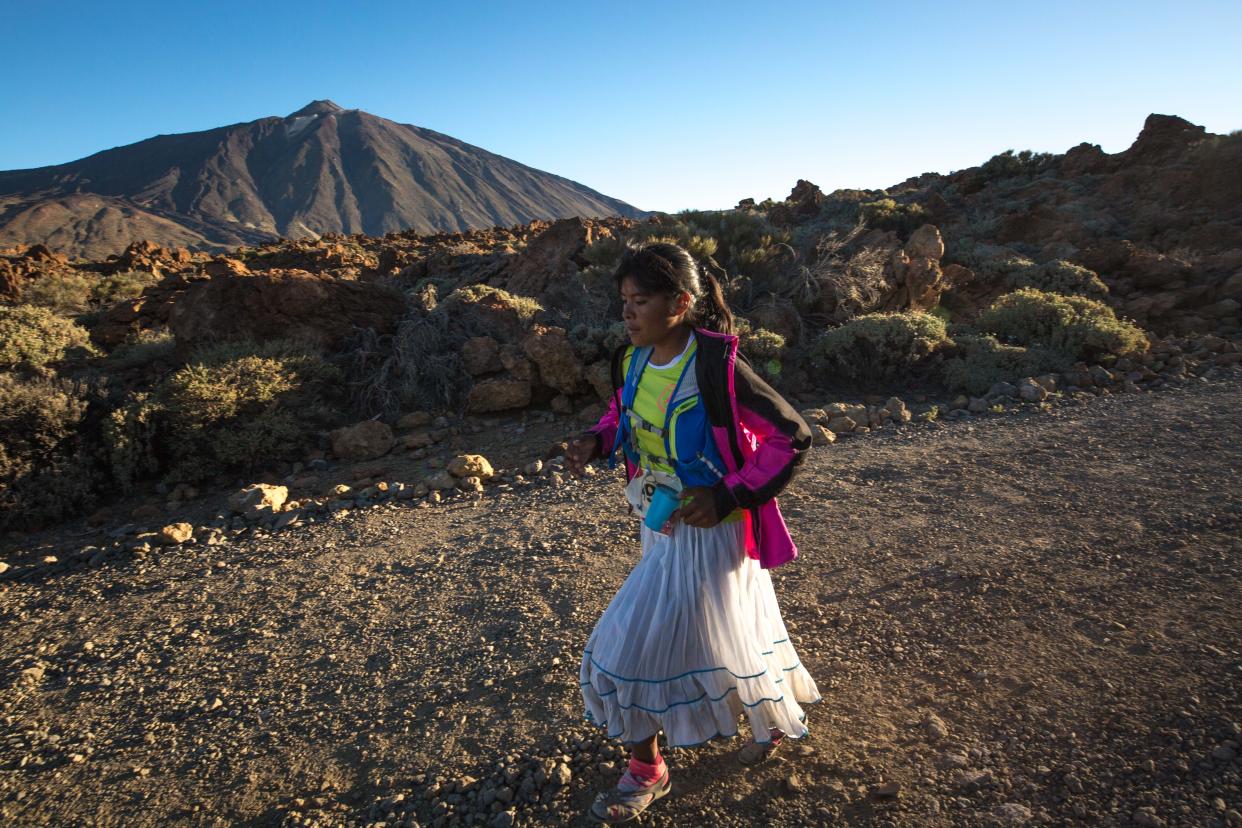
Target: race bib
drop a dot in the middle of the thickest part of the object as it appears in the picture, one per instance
(639, 490)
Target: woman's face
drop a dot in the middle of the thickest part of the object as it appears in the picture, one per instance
(650, 317)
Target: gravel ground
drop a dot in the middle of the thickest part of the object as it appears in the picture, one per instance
(1020, 619)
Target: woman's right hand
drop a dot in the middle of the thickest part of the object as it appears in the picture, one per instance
(580, 451)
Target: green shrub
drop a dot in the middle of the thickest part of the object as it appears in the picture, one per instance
(32, 337)
(1009, 164)
(68, 292)
(764, 348)
(1058, 276)
(1076, 326)
(887, 214)
(981, 361)
(127, 285)
(523, 306)
(605, 252)
(142, 348)
(129, 437)
(237, 405)
(1064, 277)
(44, 475)
(763, 344)
(880, 346)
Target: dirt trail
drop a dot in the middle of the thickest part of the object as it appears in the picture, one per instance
(1060, 590)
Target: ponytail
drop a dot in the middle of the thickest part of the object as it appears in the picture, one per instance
(711, 311)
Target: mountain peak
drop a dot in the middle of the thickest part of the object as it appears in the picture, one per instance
(324, 107)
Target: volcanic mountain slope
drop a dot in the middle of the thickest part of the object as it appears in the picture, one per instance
(322, 169)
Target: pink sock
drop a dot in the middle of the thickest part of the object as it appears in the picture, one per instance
(645, 772)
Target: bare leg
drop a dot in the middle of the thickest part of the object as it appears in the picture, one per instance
(645, 751)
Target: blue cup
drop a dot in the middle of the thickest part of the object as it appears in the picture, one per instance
(664, 501)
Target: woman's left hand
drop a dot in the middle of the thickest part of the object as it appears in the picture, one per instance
(700, 511)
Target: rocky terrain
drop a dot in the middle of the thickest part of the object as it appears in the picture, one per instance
(1020, 618)
(286, 540)
(322, 169)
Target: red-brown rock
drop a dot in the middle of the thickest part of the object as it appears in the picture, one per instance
(278, 304)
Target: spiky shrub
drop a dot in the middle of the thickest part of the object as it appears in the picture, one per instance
(1078, 327)
(237, 405)
(45, 474)
(981, 361)
(888, 214)
(880, 346)
(31, 338)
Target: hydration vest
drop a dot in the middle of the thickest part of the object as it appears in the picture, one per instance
(686, 432)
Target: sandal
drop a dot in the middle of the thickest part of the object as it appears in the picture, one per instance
(752, 753)
(622, 804)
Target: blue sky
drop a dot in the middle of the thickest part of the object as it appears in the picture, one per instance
(664, 105)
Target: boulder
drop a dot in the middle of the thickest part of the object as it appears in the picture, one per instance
(258, 499)
(498, 394)
(442, 481)
(470, 465)
(480, 355)
(280, 304)
(599, 375)
(362, 441)
(550, 350)
(554, 255)
(1031, 391)
(841, 424)
(415, 419)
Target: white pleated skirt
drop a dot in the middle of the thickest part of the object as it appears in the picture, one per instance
(692, 640)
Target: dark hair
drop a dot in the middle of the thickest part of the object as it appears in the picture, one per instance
(661, 267)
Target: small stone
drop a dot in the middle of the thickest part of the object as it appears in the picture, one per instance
(562, 775)
(176, 533)
(935, 726)
(533, 469)
(793, 784)
(471, 465)
(951, 760)
(821, 436)
(1011, 813)
(887, 790)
